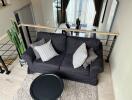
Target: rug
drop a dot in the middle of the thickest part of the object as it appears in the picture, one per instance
(72, 90)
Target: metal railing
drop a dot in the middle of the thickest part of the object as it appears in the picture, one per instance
(109, 42)
(8, 54)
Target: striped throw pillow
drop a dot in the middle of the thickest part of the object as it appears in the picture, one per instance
(46, 51)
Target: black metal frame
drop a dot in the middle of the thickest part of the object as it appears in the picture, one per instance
(5, 65)
(28, 33)
(107, 56)
(111, 48)
(104, 11)
(3, 3)
(20, 28)
(105, 45)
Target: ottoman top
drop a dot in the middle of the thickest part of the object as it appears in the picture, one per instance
(46, 87)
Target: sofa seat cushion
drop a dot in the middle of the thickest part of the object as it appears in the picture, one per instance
(67, 67)
(52, 65)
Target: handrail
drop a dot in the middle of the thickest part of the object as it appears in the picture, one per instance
(69, 30)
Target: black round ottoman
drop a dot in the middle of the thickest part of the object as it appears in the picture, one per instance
(46, 87)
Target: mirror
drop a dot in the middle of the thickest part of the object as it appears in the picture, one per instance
(108, 14)
(78, 14)
(87, 11)
(112, 13)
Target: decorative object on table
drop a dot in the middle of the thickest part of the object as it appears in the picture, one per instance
(81, 9)
(15, 37)
(78, 23)
(47, 87)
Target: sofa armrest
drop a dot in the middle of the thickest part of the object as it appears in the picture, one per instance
(29, 55)
(97, 66)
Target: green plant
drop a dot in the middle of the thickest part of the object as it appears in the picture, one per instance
(15, 37)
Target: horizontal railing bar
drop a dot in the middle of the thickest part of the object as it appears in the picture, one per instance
(68, 30)
(105, 40)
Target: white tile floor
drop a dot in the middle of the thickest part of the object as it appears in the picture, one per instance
(105, 86)
(9, 84)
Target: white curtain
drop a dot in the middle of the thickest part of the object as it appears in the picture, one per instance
(82, 9)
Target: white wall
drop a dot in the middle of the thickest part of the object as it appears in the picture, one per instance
(43, 12)
(37, 9)
(121, 58)
(47, 8)
(26, 16)
(6, 13)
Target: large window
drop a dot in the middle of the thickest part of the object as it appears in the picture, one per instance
(82, 9)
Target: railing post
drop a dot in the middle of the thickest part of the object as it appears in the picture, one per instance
(23, 37)
(107, 40)
(28, 34)
(111, 48)
(5, 67)
(1, 70)
(3, 3)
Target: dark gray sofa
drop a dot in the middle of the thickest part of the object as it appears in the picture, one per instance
(62, 64)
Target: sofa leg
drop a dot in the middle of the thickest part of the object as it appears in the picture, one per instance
(94, 83)
(29, 71)
(94, 79)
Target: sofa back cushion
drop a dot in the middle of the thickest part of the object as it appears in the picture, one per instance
(74, 42)
(58, 40)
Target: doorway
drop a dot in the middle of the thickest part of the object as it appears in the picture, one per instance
(25, 15)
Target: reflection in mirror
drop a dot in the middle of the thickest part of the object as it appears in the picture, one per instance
(59, 15)
(76, 14)
(108, 13)
(56, 13)
(111, 15)
(87, 11)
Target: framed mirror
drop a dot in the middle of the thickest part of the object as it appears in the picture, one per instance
(112, 14)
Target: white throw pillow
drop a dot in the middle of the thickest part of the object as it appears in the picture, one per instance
(80, 56)
(38, 43)
(46, 51)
